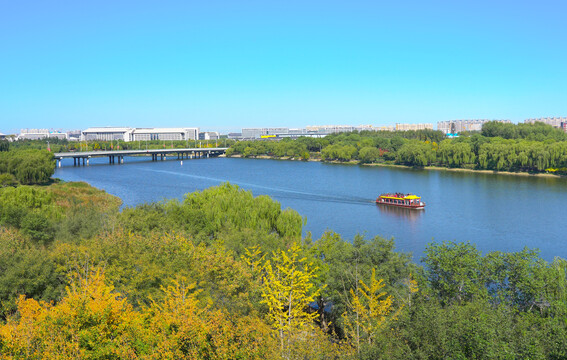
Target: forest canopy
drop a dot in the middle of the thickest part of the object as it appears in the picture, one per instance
(224, 274)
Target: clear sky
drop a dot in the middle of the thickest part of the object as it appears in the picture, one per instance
(224, 65)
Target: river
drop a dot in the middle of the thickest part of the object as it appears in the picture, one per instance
(495, 212)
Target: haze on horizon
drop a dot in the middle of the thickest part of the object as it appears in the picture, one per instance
(224, 65)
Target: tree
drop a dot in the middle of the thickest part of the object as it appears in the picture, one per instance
(368, 154)
(8, 180)
(368, 310)
(4, 145)
(91, 322)
(455, 271)
(287, 291)
(38, 227)
(181, 327)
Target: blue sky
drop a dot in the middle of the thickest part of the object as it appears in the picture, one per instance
(223, 65)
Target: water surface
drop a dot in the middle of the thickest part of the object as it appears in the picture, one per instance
(496, 212)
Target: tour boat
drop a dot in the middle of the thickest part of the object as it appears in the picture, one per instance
(407, 201)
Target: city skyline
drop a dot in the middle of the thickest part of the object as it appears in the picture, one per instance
(224, 66)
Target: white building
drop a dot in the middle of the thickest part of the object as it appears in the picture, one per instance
(141, 134)
(329, 129)
(107, 133)
(36, 134)
(256, 133)
(209, 135)
(406, 127)
(333, 129)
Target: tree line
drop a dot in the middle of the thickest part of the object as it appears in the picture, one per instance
(502, 147)
(223, 274)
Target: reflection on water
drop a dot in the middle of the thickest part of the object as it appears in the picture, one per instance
(400, 212)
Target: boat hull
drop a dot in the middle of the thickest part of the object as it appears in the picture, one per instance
(418, 207)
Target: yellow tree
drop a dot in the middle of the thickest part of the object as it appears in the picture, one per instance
(182, 328)
(369, 309)
(91, 322)
(287, 290)
(253, 257)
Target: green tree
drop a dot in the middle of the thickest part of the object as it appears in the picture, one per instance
(368, 154)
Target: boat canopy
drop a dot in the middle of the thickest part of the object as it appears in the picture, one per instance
(400, 196)
(412, 197)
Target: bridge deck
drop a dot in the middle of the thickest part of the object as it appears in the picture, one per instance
(119, 154)
(85, 154)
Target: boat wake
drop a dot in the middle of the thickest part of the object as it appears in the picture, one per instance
(276, 192)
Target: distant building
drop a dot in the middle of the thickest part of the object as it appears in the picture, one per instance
(333, 129)
(235, 136)
(384, 128)
(553, 121)
(36, 134)
(209, 135)
(329, 129)
(458, 126)
(257, 133)
(142, 134)
(2, 136)
(106, 133)
(308, 131)
(406, 127)
(139, 134)
(74, 135)
(564, 126)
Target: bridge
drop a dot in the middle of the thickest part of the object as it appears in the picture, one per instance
(118, 155)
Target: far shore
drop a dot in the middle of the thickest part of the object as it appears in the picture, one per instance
(437, 168)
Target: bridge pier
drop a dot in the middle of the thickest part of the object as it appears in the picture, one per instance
(59, 162)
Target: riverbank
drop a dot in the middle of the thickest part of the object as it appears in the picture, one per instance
(437, 168)
(493, 172)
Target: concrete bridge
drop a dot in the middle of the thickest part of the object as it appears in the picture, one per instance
(118, 155)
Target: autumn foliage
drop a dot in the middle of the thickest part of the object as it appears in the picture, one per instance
(94, 322)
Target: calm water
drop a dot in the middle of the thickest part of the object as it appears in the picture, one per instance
(496, 212)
